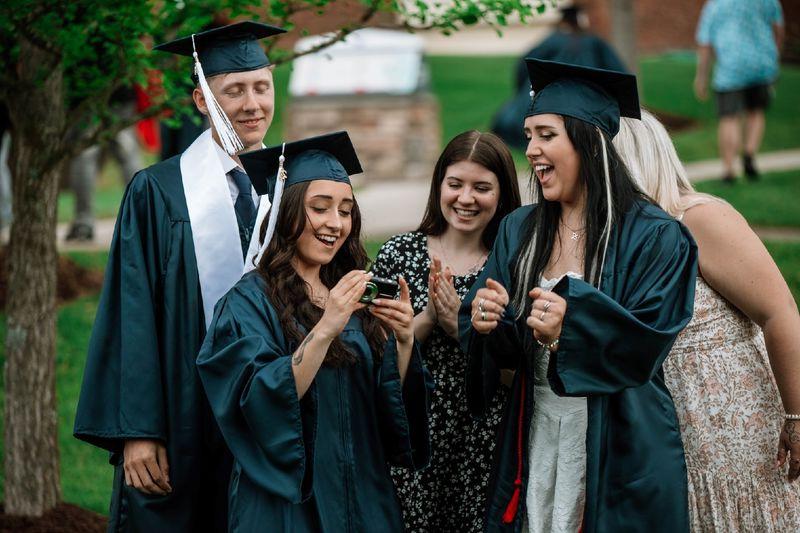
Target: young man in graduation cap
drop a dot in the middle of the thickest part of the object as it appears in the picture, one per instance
(182, 239)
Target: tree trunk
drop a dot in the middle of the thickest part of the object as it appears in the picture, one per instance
(623, 32)
(32, 484)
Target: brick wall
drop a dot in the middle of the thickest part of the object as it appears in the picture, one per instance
(396, 137)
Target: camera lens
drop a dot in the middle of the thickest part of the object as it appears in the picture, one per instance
(369, 293)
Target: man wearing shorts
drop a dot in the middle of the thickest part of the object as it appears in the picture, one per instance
(744, 38)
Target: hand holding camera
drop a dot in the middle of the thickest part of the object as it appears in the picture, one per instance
(344, 299)
(398, 315)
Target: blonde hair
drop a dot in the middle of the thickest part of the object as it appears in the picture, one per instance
(647, 150)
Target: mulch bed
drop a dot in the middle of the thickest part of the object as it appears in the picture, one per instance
(73, 280)
(65, 518)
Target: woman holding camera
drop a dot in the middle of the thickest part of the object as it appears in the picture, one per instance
(474, 186)
(315, 392)
(583, 296)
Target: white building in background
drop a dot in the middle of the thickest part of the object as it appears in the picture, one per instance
(368, 61)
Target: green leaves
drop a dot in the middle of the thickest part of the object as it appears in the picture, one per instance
(105, 46)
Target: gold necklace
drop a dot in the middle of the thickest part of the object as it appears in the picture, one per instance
(476, 266)
(575, 233)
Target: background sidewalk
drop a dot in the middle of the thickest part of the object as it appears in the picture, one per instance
(391, 208)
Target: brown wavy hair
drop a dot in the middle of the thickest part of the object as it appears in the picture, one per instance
(289, 293)
(488, 151)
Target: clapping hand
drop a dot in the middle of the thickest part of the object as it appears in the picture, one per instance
(444, 296)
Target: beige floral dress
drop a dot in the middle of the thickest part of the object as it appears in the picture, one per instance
(730, 417)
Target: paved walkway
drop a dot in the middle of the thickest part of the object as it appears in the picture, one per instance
(391, 208)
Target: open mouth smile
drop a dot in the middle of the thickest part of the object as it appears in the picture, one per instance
(543, 172)
(327, 240)
(466, 213)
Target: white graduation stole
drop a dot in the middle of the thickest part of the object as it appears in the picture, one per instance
(215, 232)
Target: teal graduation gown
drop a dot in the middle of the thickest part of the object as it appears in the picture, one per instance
(320, 463)
(140, 380)
(613, 343)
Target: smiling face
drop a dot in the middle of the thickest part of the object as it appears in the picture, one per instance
(553, 158)
(248, 99)
(328, 207)
(469, 196)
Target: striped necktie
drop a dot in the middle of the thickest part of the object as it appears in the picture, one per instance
(244, 207)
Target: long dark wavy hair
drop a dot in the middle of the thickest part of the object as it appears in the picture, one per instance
(541, 228)
(289, 293)
(488, 151)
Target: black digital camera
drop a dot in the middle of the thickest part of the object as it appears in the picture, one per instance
(380, 288)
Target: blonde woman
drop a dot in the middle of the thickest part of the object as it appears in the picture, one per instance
(739, 431)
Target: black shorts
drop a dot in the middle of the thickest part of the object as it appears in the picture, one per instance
(749, 98)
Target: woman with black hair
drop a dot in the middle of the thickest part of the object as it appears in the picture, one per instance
(315, 393)
(583, 295)
(474, 185)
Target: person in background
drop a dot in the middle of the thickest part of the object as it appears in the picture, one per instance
(182, 239)
(474, 185)
(571, 42)
(744, 39)
(315, 392)
(85, 168)
(583, 295)
(722, 370)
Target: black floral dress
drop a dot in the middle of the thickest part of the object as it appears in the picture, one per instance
(449, 495)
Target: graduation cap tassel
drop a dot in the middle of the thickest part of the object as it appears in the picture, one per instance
(609, 205)
(222, 125)
(276, 202)
(510, 514)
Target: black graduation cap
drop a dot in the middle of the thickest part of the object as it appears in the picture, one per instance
(326, 157)
(594, 95)
(231, 48)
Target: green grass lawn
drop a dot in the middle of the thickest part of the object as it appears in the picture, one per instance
(787, 256)
(771, 201)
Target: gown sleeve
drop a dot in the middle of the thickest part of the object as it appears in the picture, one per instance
(403, 408)
(487, 354)
(122, 393)
(246, 371)
(605, 345)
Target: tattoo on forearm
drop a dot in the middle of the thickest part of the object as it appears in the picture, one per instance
(298, 357)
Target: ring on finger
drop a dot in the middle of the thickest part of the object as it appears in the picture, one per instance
(547, 304)
(483, 316)
(480, 305)
(542, 316)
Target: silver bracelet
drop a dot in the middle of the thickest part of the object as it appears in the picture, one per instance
(553, 346)
(787, 416)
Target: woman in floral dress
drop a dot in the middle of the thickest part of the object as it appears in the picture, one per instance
(474, 186)
(734, 371)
